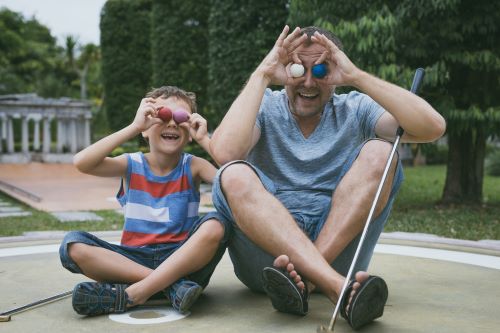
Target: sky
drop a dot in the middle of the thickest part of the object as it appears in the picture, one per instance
(78, 18)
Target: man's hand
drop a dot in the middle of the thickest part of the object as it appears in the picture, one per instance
(146, 115)
(274, 66)
(341, 71)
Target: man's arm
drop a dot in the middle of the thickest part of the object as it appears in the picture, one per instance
(237, 133)
(419, 120)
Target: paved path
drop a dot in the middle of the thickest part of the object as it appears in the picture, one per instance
(60, 187)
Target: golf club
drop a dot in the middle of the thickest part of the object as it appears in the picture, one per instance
(417, 80)
(5, 316)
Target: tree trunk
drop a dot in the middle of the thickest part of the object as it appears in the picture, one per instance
(464, 176)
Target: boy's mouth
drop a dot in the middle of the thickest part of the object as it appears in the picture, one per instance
(170, 136)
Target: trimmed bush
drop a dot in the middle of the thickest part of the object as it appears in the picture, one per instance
(126, 58)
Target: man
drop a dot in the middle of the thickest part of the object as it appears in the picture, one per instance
(309, 165)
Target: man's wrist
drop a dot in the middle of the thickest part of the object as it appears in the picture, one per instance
(359, 78)
(260, 76)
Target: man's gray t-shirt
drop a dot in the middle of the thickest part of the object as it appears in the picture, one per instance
(306, 171)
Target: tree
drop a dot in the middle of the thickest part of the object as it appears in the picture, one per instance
(240, 33)
(28, 53)
(180, 46)
(456, 41)
(126, 57)
(460, 42)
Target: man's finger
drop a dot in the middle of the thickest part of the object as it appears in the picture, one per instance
(282, 36)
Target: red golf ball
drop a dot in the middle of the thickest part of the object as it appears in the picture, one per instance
(165, 114)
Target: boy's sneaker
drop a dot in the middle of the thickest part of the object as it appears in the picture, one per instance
(93, 298)
(183, 294)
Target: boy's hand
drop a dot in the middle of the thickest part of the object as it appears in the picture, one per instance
(146, 115)
(198, 128)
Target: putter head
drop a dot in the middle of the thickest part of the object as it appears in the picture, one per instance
(322, 329)
(4, 318)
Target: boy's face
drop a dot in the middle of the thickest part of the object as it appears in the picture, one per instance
(169, 137)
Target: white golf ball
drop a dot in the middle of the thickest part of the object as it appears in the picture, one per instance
(297, 70)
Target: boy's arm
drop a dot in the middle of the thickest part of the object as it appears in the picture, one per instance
(198, 130)
(202, 170)
(93, 160)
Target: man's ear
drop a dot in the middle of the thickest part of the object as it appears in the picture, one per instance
(145, 135)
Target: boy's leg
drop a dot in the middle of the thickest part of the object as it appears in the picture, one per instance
(199, 255)
(81, 252)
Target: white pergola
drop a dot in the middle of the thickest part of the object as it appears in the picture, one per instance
(72, 118)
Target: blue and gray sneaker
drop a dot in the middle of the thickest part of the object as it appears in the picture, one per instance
(94, 298)
(183, 294)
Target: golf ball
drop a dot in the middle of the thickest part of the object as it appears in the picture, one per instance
(297, 70)
(165, 114)
(319, 71)
(180, 116)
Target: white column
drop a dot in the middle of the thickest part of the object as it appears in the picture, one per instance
(2, 121)
(61, 138)
(72, 135)
(24, 135)
(36, 135)
(46, 136)
(10, 135)
(86, 133)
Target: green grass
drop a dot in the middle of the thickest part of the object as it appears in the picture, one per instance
(42, 221)
(415, 210)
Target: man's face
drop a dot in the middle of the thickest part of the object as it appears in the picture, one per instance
(309, 97)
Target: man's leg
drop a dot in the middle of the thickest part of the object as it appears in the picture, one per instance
(268, 224)
(351, 203)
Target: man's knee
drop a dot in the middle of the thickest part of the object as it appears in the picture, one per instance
(375, 154)
(237, 179)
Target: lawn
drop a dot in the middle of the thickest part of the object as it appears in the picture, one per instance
(415, 210)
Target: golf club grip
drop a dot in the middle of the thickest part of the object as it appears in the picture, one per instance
(417, 80)
(415, 86)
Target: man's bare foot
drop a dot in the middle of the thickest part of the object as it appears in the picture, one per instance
(360, 277)
(284, 262)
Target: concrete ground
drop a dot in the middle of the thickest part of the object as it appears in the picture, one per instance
(425, 295)
(435, 285)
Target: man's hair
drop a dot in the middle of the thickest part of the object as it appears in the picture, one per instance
(172, 91)
(309, 31)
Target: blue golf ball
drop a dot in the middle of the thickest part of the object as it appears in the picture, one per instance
(319, 71)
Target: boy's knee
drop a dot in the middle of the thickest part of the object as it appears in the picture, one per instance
(212, 230)
(78, 251)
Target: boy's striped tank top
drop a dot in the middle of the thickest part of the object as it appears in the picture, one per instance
(157, 209)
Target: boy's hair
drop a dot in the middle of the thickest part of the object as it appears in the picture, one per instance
(309, 31)
(172, 91)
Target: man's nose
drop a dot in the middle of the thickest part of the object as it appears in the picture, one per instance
(309, 82)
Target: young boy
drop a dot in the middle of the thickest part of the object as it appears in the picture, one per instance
(164, 246)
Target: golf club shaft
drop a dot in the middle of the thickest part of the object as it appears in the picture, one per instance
(417, 80)
(39, 302)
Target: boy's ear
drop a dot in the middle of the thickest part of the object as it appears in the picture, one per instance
(144, 135)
